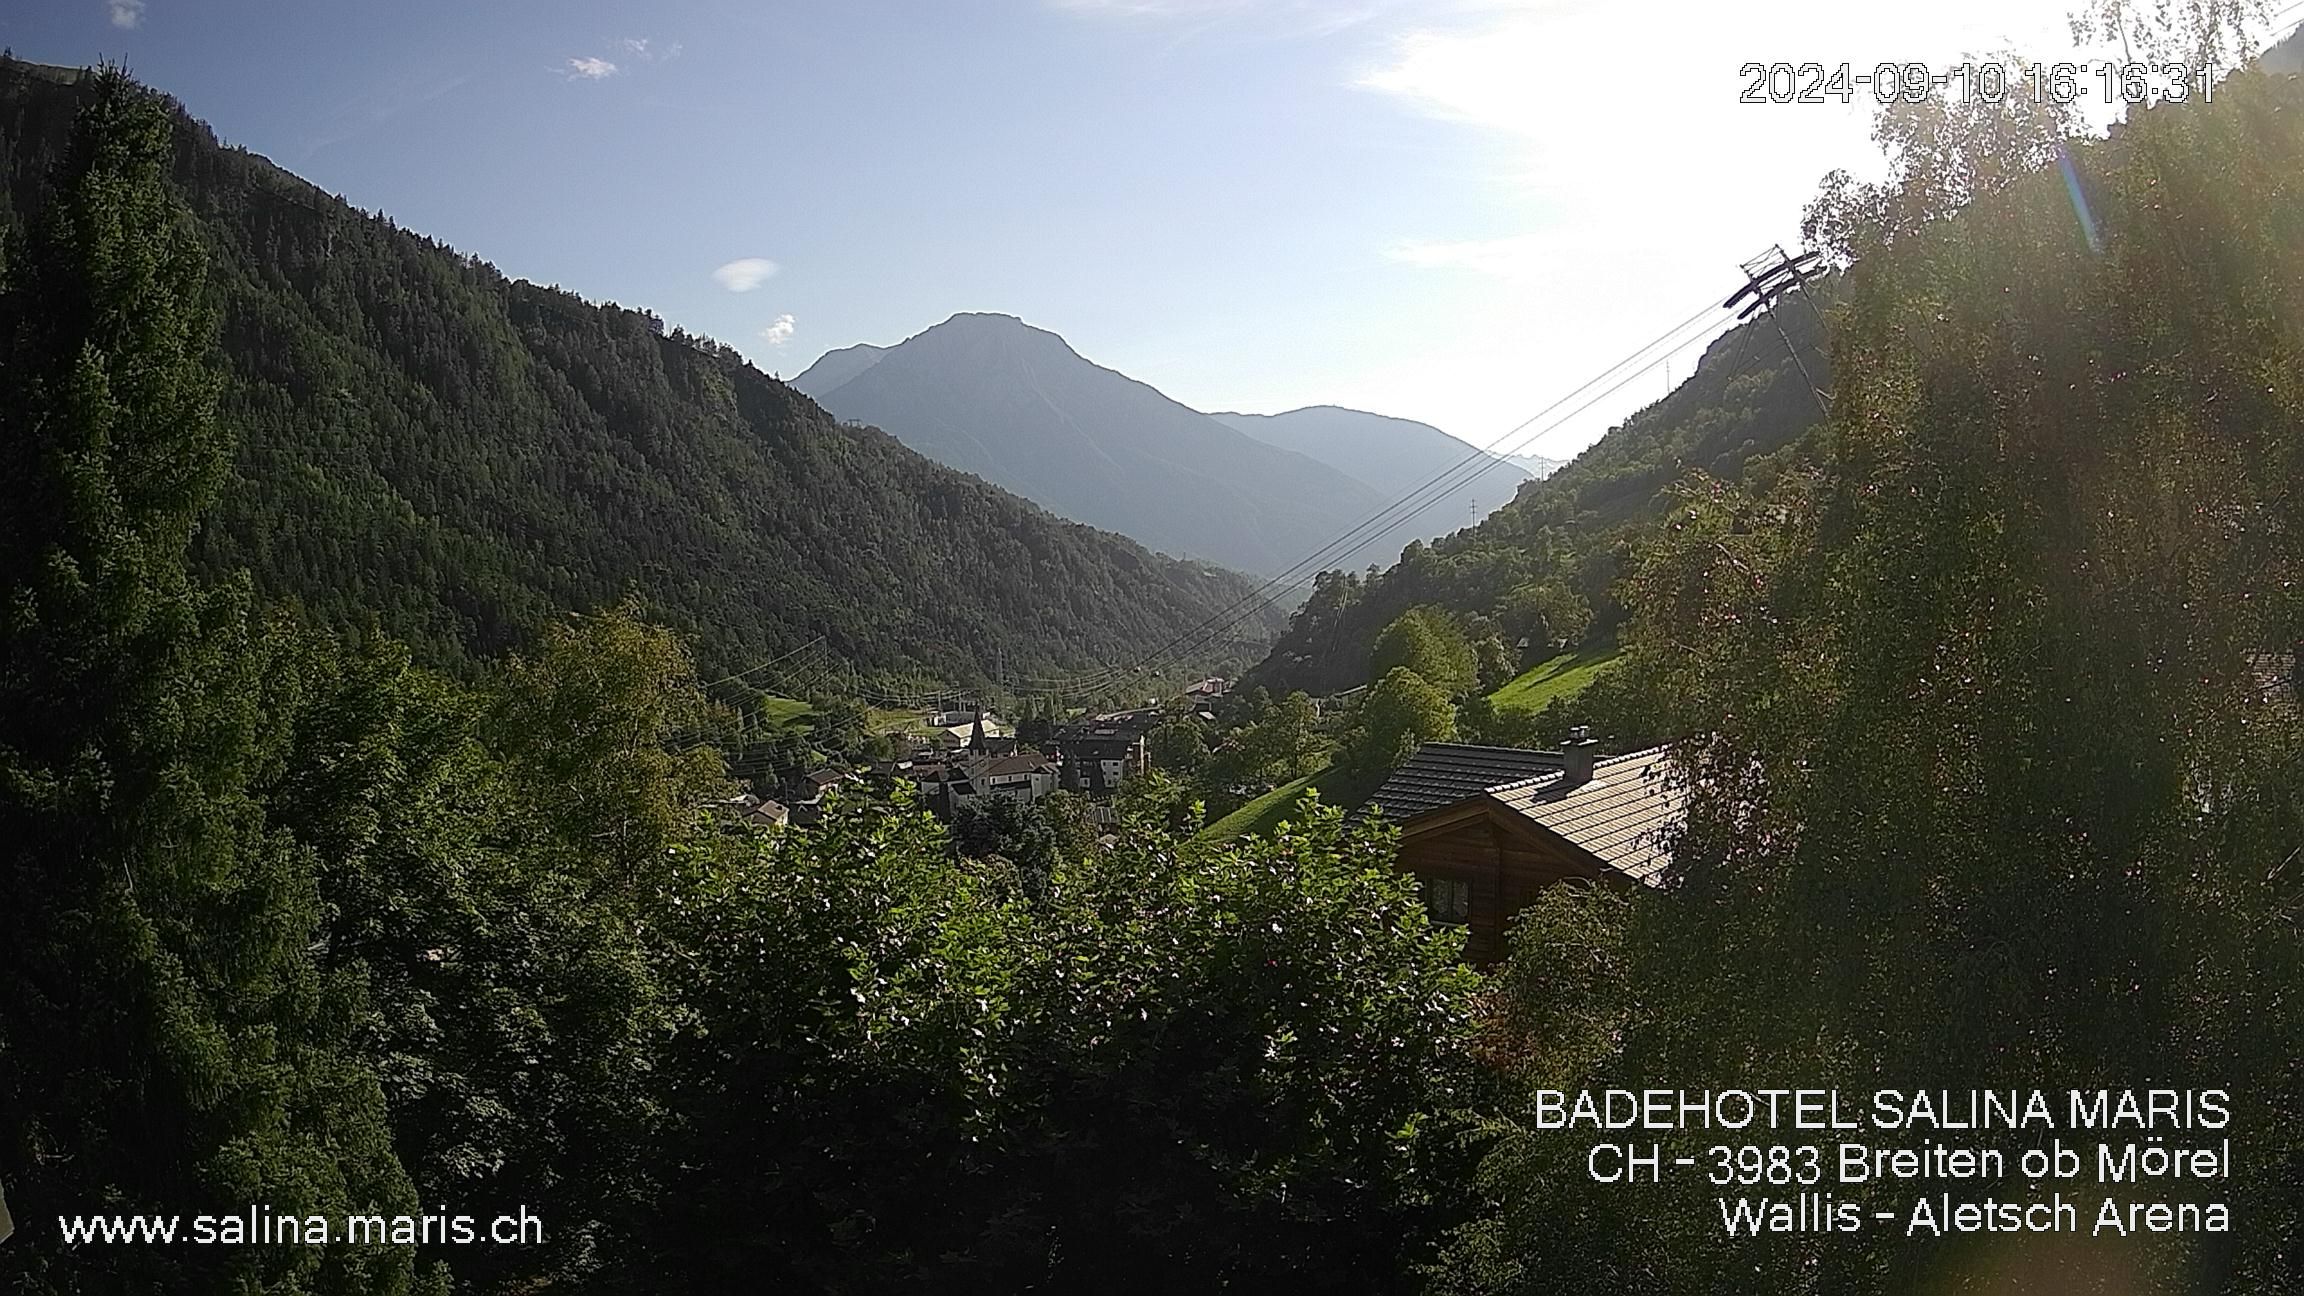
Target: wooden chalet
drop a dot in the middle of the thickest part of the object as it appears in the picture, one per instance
(1485, 829)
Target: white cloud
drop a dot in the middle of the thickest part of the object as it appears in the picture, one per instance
(591, 69)
(126, 13)
(1517, 256)
(649, 51)
(744, 274)
(779, 331)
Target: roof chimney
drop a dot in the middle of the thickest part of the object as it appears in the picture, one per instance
(1576, 756)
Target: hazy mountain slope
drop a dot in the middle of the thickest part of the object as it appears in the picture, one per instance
(836, 367)
(464, 456)
(1015, 405)
(1393, 456)
(1736, 416)
(1535, 465)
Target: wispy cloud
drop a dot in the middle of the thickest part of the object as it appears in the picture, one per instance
(630, 52)
(649, 51)
(779, 331)
(1517, 256)
(126, 13)
(744, 274)
(378, 104)
(1285, 18)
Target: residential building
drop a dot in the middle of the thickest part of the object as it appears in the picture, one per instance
(1486, 829)
(807, 805)
(1100, 754)
(1024, 778)
(754, 812)
(958, 735)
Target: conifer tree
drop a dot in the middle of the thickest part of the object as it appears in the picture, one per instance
(164, 1037)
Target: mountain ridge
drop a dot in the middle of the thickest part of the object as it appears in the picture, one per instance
(1394, 456)
(456, 457)
(1017, 405)
(1113, 450)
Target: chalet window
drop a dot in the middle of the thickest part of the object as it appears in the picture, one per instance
(1448, 900)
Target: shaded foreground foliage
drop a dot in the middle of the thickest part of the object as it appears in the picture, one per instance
(1996, 781)
(295, 924)
(1998, 775)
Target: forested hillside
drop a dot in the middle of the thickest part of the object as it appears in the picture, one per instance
(460, 457)
(295, 929)
(1552, 565)
(1984, 692)
(1991, 726)
(1547, 565)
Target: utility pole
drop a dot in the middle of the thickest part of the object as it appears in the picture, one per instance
(1768, 277)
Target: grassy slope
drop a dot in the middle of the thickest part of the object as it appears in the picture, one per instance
(1263, 814)
(783, 710)
(1534, 689)
(1559, 677)
(897, 720)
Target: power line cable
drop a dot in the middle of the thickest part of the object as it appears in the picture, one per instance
(1399, 511)
(1123, 674)
(1392, 515)
(730, 679)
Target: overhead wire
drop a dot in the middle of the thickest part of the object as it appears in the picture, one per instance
(1394, 515)
(1384, 521)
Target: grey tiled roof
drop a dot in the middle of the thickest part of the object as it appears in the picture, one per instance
(1620, 817)
(1443, 774)
(1022, 763)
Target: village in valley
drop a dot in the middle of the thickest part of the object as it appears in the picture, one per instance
(957, 757)
(1483, 827)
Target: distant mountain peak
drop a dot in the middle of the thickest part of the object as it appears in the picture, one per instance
(1392, 454)
(1014, 403)
(981, 337)
(992, 327)
(1305, 409)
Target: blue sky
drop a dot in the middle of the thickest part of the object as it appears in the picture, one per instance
(1450, 210)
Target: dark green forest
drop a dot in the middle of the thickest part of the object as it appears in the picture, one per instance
(1984, 686)
(294, 920)
(429, 450)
